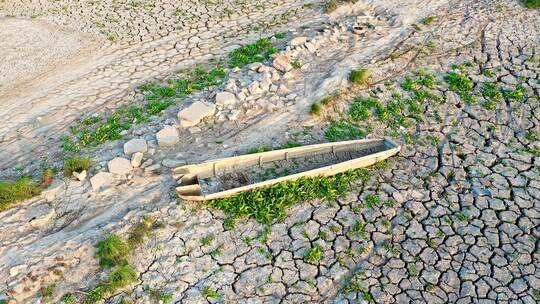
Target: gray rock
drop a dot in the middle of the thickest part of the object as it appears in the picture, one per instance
(193, 114)
(167, 137)
(135, 145)
(136, 159)
(173, 163)
(224, 99)
(119, 165)
(101, 179)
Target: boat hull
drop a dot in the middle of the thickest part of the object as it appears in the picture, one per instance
(189, 176)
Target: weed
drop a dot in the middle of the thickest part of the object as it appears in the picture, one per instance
(533, 136)
(296, 64)
(515, 95)
(207, 240)
(461, 84)
(428, 20)
(269, 204)
(47, 177)
(330, 6)
(463, 217)
(493, 95)
(343, 130)
(361, 108)
(372, 201)
(69, 298)
(48, 291)
(121, 277)
(314, 254)
(165, 297)
(412, 270)
(113, 251)
(256, 52)
(13, 192)
(279, 35)
(359, 230)
(76, 164)
(140, 231)
(359, 77)
(316, 108)
(209, 293)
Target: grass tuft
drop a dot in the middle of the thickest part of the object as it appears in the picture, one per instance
(331, 6)
(342, 130)
(359, 77)
(314, 254)
(256, 52)
(113, 251)
(531, 3)
(15, 192)
(76, 164)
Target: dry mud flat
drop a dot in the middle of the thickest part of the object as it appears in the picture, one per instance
(454, 218)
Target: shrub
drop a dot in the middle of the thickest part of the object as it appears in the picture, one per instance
(532, 3)
(112, 251)
(15, 192)
(359, 77)
(76, 164)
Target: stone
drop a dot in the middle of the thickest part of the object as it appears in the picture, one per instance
(173, 163)
(167, 137)
(135, 145)
(40, 215)
(81, 176)
(298, 41)
(54, 189)
(224, 99)
(282, 63)
(15, 270)
(136, 159)
(152, 169)
(255, 88)
(193, 114)
(101, 179)
(119, 165)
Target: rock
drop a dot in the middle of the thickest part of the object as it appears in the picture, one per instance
(81, 176)
(282, 90)
(119, 165)
(167, 137)
(255, 88)
(101, 179)
(136, 159)
(152, 169)
(173, 163)
(225, 98)
(15, 270)
(53, 190)
(234, 114)
(298, 41)
(40, 215)
(282, 63)
(147, 163)
(193, 114)
(135, 145)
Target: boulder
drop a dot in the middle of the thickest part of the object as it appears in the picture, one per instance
(135, 145)
(225, 98)
(167, 137)
(119, 165)
(282, 63)
(193, 114)
(136, 159)
(101, 179)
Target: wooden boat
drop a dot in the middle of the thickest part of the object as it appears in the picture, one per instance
(226, 177)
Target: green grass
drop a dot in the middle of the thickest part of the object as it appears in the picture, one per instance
(166, 297)
(314, 254)
(492, 94)
(207, 240)
(270, 204)
(69, 298)
(462, 85)
(287, 145)
(316, 108)
(13, 192)
(330, 6)
(531, 3)
(48, 291)
(259, 51)
(209, 293)
(359, 77)
(121, 277)
(428, 20)
(76, 164)
(140, 231)
(113, 251)
(342, 130)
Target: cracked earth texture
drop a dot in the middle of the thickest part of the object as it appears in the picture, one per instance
(454, 218)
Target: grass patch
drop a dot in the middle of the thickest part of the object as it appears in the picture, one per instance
(359, 77)
(461, 84)
(318, 106)
(48, 291)
(531, 3)
(13, 192)
(428, 20)
(76, 164)
(314, 254)
(113, 251)
(287, 145)
(270, 204)
(69, 298)
(209, 293)
(256, 52)
(492, 94)
(47, 177)
(330, 6)
(342, 130)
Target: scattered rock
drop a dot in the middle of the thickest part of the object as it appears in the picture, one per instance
(136, 159)
(119, 165)
(173, 163)
(224, 99)
(282, 63)
(135, 145)
(167, 137)
(102, 179)
(81, 176)
(153, 169)
(193, 114)
(298, 41)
